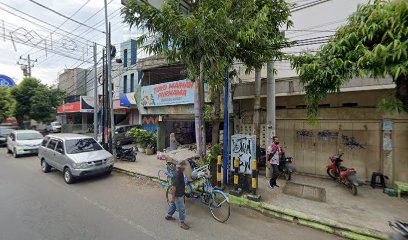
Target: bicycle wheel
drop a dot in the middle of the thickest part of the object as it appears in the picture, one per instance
(219, 207)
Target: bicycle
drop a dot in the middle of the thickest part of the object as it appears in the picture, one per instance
(200, 190)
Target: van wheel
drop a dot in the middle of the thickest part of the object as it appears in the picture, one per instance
(8, 150)
(44, 166)
(68, 177)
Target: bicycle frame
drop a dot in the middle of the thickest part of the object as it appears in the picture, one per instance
(205, 190)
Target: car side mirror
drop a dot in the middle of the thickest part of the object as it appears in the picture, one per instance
(60, 151)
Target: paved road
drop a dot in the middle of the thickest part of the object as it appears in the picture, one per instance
(39, 206)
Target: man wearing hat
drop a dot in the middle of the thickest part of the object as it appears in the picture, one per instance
(177, 195)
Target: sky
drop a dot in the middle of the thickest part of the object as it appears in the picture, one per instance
(70, 39)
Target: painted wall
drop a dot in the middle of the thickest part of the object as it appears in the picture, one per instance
(355, 131)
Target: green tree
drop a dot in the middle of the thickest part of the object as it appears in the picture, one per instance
(372, 43)
(215, 33)
(6, 103)
(44, 103)
(34, 100)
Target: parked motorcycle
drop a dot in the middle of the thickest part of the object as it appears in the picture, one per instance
(126, 154)
(401, 229)
(345, 176)
(286, 166)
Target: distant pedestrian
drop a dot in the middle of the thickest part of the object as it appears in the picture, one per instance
(274, 151)
(177, 196)
(173, 142)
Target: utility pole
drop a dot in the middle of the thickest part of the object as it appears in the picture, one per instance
(256, 130)
(109, 70)
(271, 109)
(104, 94)
(95, 91)
(226, 130)
(26, 67)
(198, 112)
(202, 96)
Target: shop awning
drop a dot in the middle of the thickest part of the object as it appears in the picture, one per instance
(127, 99)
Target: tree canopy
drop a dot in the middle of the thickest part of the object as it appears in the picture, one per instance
(215, 32)
(373, 43)
(35, 100)
(6, 103)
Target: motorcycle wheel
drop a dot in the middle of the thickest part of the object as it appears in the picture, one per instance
(331, 174)
(354, 189)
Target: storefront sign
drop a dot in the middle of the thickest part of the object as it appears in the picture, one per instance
(243, 147)
(69, 107)
(85, 104)
(171, 93)
(6, 81)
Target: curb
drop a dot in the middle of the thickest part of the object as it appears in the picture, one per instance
(135, 174)
(322, 224)
(326, 225)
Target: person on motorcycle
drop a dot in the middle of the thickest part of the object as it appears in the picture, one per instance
(274, 151)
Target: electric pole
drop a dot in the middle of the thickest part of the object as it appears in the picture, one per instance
(271, 109)
(95, 91)
(109, 70)
(26, 65)
(257, 109)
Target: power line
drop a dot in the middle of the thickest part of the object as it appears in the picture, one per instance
(82, 6)
(39, 20)
(307, 5)
(62, 15)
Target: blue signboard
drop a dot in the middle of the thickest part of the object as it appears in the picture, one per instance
(6, 81)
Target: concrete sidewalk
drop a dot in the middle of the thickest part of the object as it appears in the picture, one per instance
(370, 209)
(147, 165)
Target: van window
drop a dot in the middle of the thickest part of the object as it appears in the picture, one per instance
(60, 147)
(45, 141)
(51, 144)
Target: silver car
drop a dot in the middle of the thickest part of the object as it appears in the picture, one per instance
(75, 155)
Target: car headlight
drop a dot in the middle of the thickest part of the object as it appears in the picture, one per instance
(110, 160)
(80, 165)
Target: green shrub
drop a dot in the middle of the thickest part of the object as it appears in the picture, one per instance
(142, 137)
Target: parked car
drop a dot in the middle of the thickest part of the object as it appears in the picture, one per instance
(5, 130)
(21, 142)
(75, 155)
(54, 127)
(120, 134)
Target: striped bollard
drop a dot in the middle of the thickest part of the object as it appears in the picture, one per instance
(219, 173)
(236, 191)
(254, 196)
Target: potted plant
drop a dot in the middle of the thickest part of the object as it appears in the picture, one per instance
(139, 136)
(151, 140)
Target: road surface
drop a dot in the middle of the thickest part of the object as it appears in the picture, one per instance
(40, 206)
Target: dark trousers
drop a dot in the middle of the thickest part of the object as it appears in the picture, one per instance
(275, 174)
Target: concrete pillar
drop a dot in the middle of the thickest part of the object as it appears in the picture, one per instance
(84, 122)
(161, 136)
(388, 163)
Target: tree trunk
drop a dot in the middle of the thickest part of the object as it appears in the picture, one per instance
(402, 91)
(215, 134)
(20, 121)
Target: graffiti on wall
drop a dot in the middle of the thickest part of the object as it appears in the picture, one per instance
(351, 142)
(243, 147)
(327, 135)
(303, 133)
